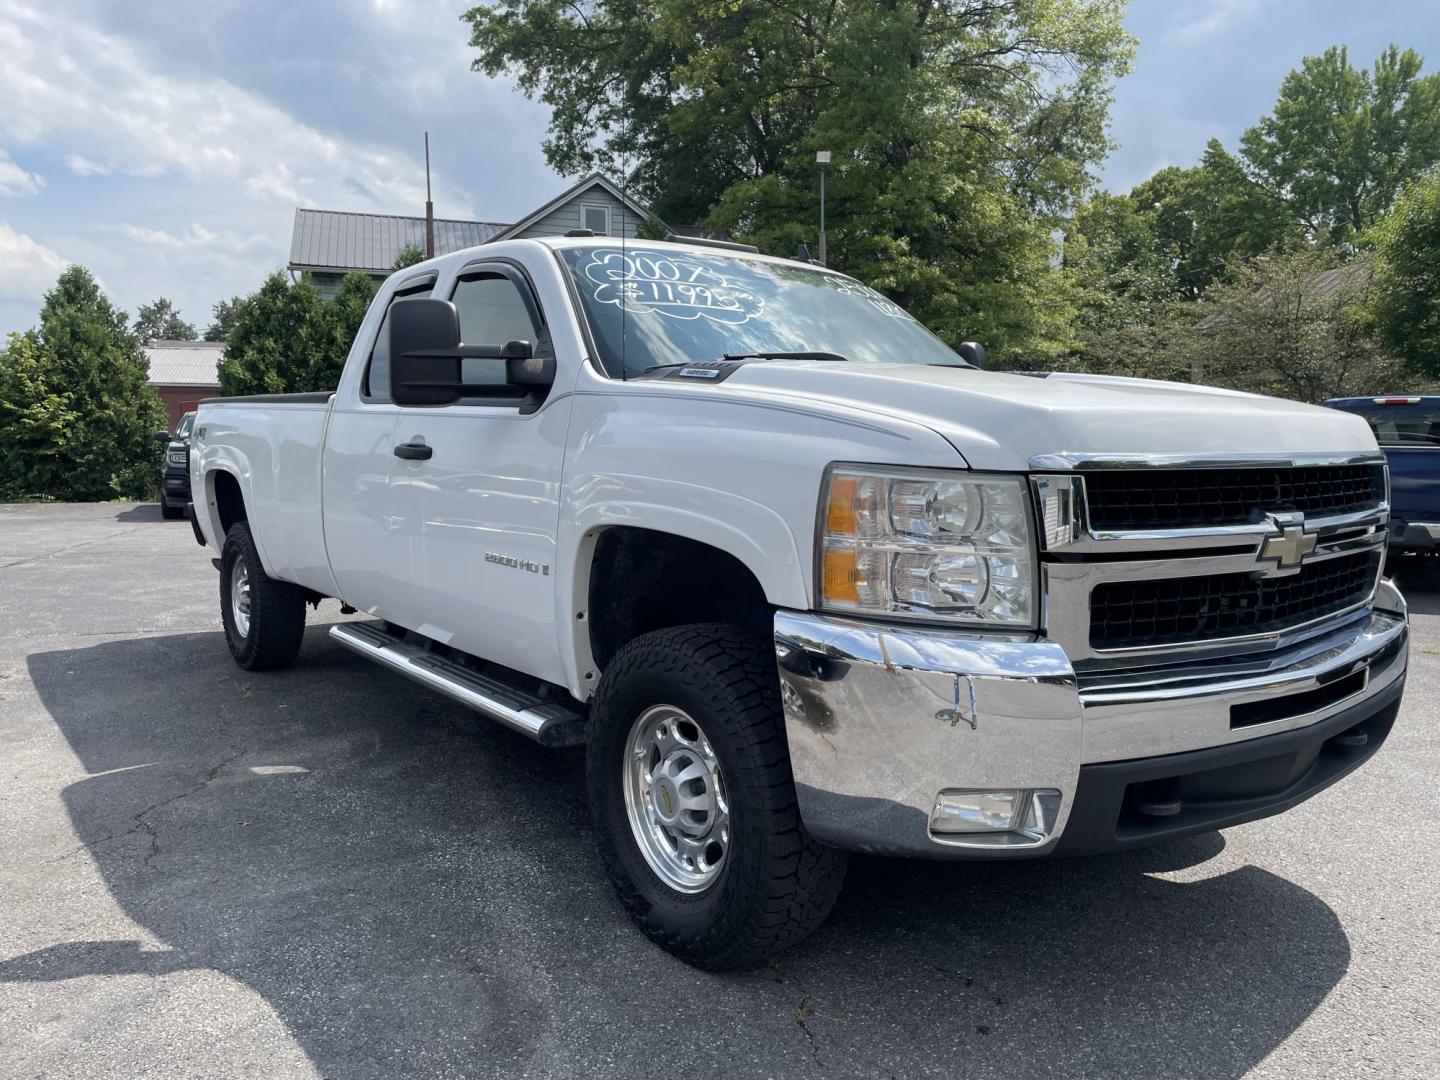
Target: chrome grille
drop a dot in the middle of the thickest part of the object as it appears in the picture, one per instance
(1134, 614)
(1174, 498)
(1155, 563)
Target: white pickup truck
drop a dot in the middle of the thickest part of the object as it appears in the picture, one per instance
(804, 580)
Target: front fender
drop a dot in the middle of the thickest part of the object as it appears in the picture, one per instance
(754, 533)
(734, 472)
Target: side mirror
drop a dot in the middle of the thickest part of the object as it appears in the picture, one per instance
(426, 357)
(524, 368)
(161, 436)
(424, 352)
(972, 352)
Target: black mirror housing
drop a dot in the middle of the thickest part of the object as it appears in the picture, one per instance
(973, 353)
(524, 368)
(161, 436)
(424, 352)
(426, 357)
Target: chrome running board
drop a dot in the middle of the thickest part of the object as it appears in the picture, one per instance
(550, 723)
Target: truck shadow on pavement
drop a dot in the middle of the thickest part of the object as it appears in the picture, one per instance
(141, 512)
(413, 891)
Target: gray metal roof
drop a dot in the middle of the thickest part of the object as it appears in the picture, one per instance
(339, 240)
(184, 363)
(1319, 285)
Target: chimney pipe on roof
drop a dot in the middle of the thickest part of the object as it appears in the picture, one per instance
(429, 206)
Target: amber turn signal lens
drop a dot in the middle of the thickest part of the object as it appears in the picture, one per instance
(839, 576)
(840, 512)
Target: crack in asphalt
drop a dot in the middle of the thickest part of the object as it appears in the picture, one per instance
(803, 1013)
(65, 550)
(142, 825)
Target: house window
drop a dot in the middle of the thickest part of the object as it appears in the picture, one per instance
(595, 218)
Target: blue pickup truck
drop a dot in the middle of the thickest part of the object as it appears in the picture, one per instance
(1408, 430)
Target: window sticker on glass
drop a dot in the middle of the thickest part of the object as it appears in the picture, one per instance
(877, 299)
(653, 283)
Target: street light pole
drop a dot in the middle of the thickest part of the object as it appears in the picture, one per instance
(822, 158)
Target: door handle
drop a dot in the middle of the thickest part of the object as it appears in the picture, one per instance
(414, 451)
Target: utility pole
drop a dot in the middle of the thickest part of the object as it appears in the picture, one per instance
(429, 206)
(822, 158)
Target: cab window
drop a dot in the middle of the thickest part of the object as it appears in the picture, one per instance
(493, 310)
(375, 387)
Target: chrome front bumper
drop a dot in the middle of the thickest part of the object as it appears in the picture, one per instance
(880, 719)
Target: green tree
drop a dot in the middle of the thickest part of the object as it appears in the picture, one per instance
(1206, 217)
(652, 228)
(962, 131)
(1292, 325)
(409, 256)
(76, 411)
(342, 317)
(223, 317)
(1406, 308)
(1320, 169)
(36, 422)
(271, 347)
(1126, 288)
(160, 320)
(287, 339)
(1342, 142)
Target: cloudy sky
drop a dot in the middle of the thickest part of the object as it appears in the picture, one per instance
(165, 145)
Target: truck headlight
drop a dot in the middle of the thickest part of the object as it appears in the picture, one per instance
(175, 457)
(926, 544)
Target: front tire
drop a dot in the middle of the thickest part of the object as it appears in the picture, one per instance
(264, 618)
(171, 513)
(694, 803)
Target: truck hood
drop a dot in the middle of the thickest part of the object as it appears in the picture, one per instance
(1000, 421)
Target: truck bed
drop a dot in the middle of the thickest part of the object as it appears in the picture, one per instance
(271, 443)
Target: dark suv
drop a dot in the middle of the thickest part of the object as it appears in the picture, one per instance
(175, 472)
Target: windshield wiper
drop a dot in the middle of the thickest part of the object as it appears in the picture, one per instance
(752, 356)
(787, 356)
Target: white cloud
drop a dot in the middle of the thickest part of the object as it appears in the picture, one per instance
(27, 268)
(197, 240)
(83, 166)
(17, 181)
(1213, 17)
(64, 78)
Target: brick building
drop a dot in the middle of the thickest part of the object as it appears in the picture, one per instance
(184, 372)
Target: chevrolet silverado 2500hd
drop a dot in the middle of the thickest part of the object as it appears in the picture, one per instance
(803, 581)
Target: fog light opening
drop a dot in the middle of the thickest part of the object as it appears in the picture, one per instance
(994, 816)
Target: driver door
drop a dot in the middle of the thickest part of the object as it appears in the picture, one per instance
(367, 542)
(482, 503)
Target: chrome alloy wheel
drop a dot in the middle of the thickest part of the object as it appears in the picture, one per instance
(240, 598)
(675, 798)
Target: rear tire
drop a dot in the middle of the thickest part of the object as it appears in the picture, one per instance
(766, 883)
(264, 618)
(171, 513)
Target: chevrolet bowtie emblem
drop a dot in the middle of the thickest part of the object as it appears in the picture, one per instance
(1288, 549)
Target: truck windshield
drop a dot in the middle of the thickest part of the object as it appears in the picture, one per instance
(1402, 425)
(650, 307)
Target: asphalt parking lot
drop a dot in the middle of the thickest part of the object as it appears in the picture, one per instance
(330, 872)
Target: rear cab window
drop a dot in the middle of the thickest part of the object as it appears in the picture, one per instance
(1399, 422)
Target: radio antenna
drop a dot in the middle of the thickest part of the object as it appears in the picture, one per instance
(624, 219)
(429, 206)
